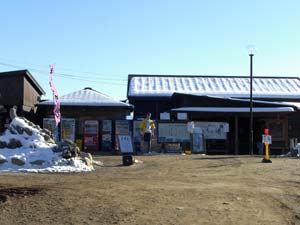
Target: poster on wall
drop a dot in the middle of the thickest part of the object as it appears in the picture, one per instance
(122, 127)
(49, 124)
(68, 129)
(136, 131)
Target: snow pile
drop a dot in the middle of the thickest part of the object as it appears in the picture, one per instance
(25, 147)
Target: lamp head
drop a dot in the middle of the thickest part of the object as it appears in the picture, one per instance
(251, 49)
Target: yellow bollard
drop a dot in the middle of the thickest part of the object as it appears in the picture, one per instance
(267, 151)
(266, 142)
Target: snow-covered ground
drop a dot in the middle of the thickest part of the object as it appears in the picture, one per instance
(33, 152)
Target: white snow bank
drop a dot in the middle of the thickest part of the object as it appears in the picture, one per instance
(35, 154)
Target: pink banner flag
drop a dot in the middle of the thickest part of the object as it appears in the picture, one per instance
(56, 110)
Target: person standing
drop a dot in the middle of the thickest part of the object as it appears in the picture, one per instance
(147, 127)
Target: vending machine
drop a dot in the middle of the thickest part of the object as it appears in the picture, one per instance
(106, 144)
(91, 135)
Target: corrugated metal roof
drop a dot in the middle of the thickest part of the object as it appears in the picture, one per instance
(87, 97)
(239, 87)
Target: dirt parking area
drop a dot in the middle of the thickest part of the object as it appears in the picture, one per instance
(163, 189)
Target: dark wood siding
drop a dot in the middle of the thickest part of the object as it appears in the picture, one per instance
(153, 105)
(30, 94)
(11, 90)
(84, 113)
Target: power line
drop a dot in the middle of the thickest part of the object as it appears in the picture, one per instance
(60, 68)
(72, 76)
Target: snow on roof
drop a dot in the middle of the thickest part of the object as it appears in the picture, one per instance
(296, 104)
(87, 97)
(238, 87)
(233, 109)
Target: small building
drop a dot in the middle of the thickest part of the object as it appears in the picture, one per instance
(18, 88)
(88, 117)
(215, 102)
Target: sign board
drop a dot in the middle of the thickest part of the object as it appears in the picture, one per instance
(198, 141)
(190, 126)
(122, 127)
(182, 116)
(173, 133)
(266, 139)
(125, 143)
(213, 130)
(165, 116)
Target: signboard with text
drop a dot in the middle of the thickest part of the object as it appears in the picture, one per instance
(125, 143)
(266, 139)
(172, 133)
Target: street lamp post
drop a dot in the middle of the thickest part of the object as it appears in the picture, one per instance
(251, 105)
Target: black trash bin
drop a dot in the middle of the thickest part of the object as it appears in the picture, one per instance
(127, 160)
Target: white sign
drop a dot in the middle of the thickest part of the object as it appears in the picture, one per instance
(173, 132)
(213, 130)
(165, 116)
(266, 139)
(182, 116)
(125, 144)
(190, 126)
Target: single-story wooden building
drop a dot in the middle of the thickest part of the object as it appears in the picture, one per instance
(217, 101)
(18, 88)
(89, 117)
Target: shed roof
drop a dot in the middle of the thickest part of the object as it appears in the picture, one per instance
(225, 86)
(87, 97)
(28, 75)
(233, 109)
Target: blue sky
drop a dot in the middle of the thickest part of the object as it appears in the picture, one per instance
(97, 43)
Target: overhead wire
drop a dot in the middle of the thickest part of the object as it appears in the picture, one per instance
(97, 79)
(60, 68)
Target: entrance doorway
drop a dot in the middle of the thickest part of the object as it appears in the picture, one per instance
(244, 136)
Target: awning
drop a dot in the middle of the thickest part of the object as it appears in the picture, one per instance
(233, 109)
(296, 104)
